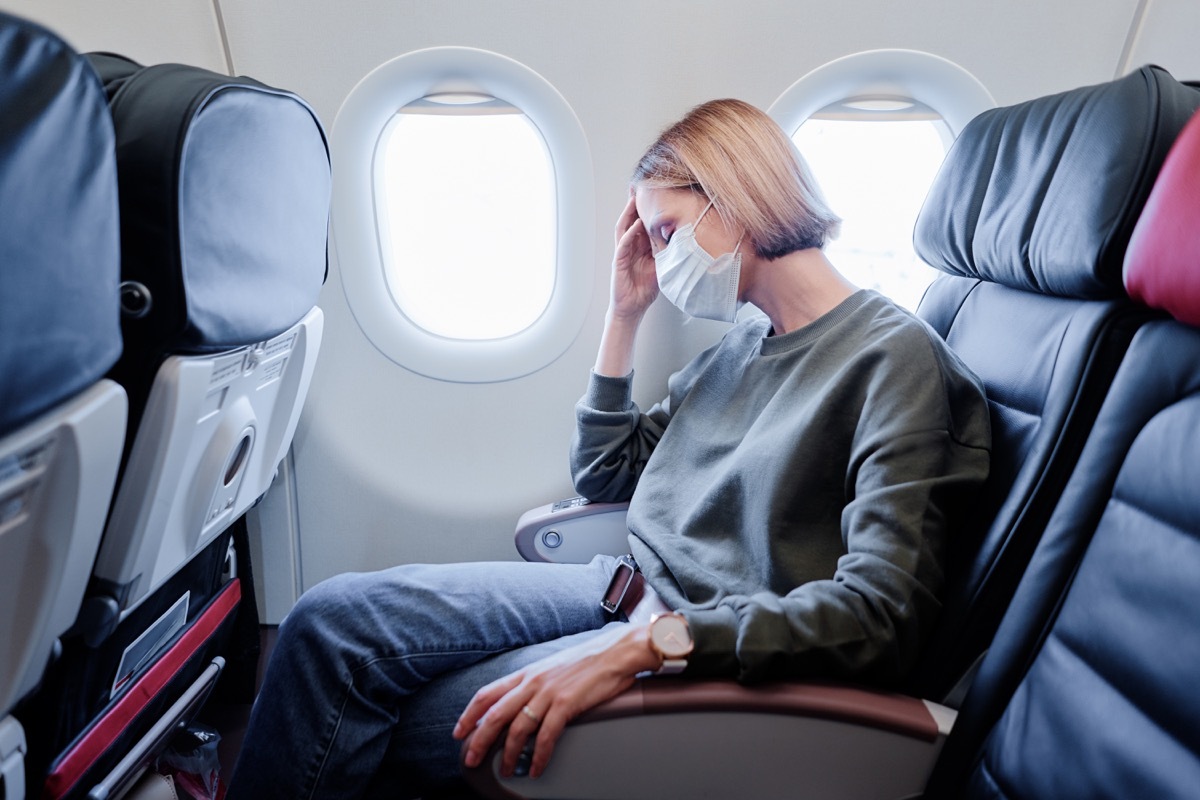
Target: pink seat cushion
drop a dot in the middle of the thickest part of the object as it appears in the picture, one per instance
(1162, 265)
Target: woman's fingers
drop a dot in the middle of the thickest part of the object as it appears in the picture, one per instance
(554, 690)
(551, 729)
(522, 728)
(633, 244)
(486, 731)
(634, 281)
(628, 216)
(483, 701)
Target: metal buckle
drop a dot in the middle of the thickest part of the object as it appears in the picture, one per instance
(630, 568)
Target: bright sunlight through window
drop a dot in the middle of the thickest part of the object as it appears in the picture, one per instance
(875, 175)
(467, 210)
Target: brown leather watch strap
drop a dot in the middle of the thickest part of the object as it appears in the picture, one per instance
(629, 593)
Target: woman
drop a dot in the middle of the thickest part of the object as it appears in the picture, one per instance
(789, 500)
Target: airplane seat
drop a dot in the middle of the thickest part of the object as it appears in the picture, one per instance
(224, 189)
(1030, 216)
(1089, 688)
(61, 422)
(225, 200)
(1032, 301)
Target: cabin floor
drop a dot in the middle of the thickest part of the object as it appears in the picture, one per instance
(230, 719)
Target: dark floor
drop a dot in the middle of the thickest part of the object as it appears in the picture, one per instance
(230, 719)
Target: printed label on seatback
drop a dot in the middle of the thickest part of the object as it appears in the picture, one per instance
(150, 643)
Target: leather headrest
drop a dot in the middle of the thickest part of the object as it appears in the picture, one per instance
(1043, 196)
(1162, 267)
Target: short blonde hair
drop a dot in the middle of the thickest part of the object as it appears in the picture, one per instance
(742, 161)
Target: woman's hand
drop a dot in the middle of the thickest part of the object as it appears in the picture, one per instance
(634, 287)
(634, 281)
(555, 690)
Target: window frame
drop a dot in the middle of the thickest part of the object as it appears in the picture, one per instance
(393, 271)
(909, 75)
(359, 243)
(917, 83)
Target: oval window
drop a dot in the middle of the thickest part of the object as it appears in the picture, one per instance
(466, 202)
(875, 174)
(463, 219)
(875, 127)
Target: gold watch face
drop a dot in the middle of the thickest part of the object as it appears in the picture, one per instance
(670, 636)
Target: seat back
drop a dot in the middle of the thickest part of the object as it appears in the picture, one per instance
(224, 206)
(1030, 216)
(61, 425)
(1089, 689)
(224, 190)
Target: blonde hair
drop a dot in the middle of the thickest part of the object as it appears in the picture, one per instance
(742, 161)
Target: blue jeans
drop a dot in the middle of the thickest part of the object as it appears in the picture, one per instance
(371, 671)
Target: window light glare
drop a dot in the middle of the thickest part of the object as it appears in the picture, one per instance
(879, 104)
(467, 207)
(458, 98)
(875, 175)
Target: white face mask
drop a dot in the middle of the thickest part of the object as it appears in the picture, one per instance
(695, 282)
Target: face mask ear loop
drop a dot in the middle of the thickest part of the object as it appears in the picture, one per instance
(696, 224)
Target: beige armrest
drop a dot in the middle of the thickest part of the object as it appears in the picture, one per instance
(676, 738)
(572, 531)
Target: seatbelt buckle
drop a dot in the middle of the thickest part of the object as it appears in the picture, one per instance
(619, 585)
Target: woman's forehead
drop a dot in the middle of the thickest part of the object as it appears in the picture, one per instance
(652, 202)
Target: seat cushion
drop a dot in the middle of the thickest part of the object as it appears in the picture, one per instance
(1046, 363)
(1108, 705)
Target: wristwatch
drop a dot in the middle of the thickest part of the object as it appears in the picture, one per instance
(672, 639)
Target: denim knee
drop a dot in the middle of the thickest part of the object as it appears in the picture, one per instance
(331, 618)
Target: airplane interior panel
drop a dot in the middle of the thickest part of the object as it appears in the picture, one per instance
(1013, 179)
(187, 33)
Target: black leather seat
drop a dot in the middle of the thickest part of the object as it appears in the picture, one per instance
(1030, 216)
(1089, 690)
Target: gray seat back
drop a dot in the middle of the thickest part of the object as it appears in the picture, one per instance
(61, 424)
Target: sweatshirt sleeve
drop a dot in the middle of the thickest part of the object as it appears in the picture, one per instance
(613, 439)
(869, 620)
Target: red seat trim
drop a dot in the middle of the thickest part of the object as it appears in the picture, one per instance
(874, 709)
(93, 743)
(1161, 265)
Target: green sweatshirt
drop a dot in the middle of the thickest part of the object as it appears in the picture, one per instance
(792, 494)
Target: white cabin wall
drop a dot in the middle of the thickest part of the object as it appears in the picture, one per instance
(393, 467)
(1168, 36)
(148, 31)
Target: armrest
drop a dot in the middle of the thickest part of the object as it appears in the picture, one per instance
(572, 531)
(676, 738)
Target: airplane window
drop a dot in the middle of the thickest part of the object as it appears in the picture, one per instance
(466, 198)
(874, 127)
(463, 218)
(875, 174)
